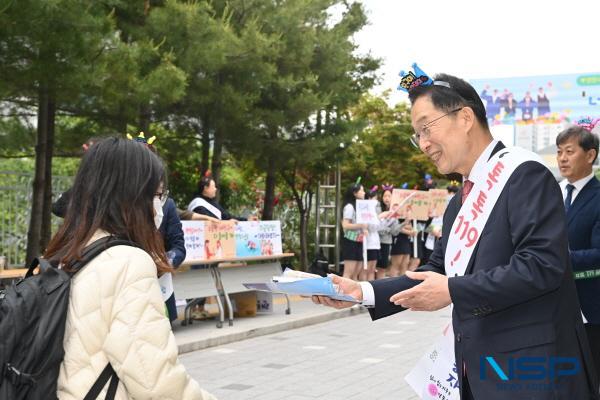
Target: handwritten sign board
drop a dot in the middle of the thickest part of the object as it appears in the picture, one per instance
(416, 207)
(219, 240)
(247, 242)
(207, 240)
(193, 234)
(438, 201)
(270, 238)
(366, 212)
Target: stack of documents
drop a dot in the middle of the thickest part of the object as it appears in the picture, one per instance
(302, 283)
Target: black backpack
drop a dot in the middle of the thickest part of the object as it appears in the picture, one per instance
(33, 312)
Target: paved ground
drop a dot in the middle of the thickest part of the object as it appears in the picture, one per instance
(345, 358)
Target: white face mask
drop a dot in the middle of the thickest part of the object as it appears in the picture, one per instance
(158, 212)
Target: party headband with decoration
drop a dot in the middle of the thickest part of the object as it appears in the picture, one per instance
(588, 123)
(357, 181)
(417, 78)
(387, 186)
(141, 138)
(373, 189)
(454, 183)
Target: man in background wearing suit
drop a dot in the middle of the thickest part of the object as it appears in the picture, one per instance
(514, 301)
(577, 151)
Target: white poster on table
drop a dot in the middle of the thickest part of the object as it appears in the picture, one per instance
(366, 212)
(193, 234)
(269, 235)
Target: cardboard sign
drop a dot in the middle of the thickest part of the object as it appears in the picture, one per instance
(417, 207)
(366, 212)
(219, 241)
(247, 242)
(269, 236)
(438, 201)
(193, 234)
(209, 241)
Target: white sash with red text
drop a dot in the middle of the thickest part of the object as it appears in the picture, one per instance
(436, 373)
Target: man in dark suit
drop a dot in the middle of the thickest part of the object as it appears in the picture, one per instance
(516, 302)
(577, 151)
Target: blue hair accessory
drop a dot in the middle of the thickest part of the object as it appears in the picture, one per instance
(588, 123)
(414, 79)
(404, 185)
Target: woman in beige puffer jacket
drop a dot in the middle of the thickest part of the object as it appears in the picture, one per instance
(116, 313)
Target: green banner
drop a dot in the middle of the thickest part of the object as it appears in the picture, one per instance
(589, 274)
(588, 80)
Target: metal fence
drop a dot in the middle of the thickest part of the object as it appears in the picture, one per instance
(15, 211)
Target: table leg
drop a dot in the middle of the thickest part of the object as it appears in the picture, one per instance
(289, 309)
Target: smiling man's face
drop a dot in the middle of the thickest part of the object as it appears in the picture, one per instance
(444, 143)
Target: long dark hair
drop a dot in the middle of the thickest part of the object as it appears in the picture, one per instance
(385, 207)
(113, 191)
(203, 184)
(349, 197)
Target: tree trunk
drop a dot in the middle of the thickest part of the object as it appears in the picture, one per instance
(204, 163)
(270, 183)
(216, 164)
(47, 209)
(39, 224)
(144, 120)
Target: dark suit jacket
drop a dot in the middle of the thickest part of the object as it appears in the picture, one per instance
(172, 232)
(583, 221)
(517, 298)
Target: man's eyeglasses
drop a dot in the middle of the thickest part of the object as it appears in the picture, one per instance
(163, 196)
(425, 133)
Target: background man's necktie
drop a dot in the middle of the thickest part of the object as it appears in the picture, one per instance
(569, 197)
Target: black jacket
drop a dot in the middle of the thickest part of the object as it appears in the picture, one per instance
(517, 298)
(583, 221)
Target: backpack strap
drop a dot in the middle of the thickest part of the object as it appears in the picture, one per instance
(105, 375)
(94, 249)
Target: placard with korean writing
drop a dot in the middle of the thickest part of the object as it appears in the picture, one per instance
(269, 236)
(366, 212)
(439, 200)
(193, 234)
(219, 241)
(247, 242)
(417, 207)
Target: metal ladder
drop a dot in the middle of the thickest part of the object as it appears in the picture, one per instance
(328, 229)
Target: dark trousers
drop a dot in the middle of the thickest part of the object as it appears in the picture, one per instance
(593, 334)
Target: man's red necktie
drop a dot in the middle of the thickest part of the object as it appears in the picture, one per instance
(467, 186)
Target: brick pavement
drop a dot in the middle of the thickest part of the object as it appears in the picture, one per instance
(348, 358)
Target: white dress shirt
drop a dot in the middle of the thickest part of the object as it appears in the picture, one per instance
(578, 186)
(474, 174)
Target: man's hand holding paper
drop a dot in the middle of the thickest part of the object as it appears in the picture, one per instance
(345, 286)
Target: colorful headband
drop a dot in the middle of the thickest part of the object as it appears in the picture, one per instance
(207, 173)
(141, 138)
(588, 123)
(373, 189)
(387, 186)
(357, 181)
(412, 80)
(454, 183)
(404, 185)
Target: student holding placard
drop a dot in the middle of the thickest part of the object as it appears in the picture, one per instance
(374, 224)
(354, 233)
(386, 234)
